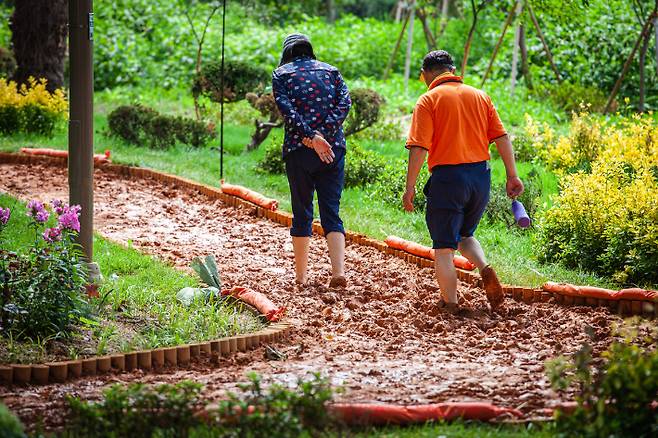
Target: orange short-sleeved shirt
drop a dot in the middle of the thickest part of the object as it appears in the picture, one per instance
(454, 122)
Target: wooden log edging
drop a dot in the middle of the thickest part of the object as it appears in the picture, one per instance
(149, 361)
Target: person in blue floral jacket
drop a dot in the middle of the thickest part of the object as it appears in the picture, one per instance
(314, 102)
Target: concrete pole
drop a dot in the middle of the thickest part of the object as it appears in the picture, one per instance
(410, 41)
(81, 121)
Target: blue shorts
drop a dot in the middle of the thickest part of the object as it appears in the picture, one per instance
(308, 174)
(457, 196)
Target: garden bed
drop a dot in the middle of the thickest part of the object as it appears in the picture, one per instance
(383, 338)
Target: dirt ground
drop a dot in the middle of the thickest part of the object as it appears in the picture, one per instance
(383, 338)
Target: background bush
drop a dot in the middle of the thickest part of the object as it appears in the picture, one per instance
(7, 63)
(10, 425)
(141, 125)
(499, 208)
(365, 110)
(240, 78)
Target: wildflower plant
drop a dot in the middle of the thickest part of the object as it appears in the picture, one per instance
(42, 286)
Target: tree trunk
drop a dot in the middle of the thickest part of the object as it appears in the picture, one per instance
(396, 48)
(643, 61)
(429, 38)
(39, 32)
(471, 32)
(444, 17)
(525, 65)
(262, 132)
(540, 34)
(508, 21)
(410, 41)
(645, 30)
(515, 49)
(331, 11)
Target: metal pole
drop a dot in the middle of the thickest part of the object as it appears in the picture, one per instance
(221, 102)
(81, 129)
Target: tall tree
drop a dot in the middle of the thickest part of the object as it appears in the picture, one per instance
(39, 31)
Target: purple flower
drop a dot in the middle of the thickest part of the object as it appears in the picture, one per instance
(36, 210)
(5, 213)
(51, 235)
(69, 218)
(58, 206)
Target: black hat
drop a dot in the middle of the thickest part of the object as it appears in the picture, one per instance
(295, 45)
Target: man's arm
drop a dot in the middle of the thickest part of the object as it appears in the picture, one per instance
(514, 185)
(417, 156)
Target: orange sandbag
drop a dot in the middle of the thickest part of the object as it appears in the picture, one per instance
(638, 294)
(98, 158)
(263, 304)
(598, 293)
(562, 288)
(426, 252)
(250, 195)
(380, 414)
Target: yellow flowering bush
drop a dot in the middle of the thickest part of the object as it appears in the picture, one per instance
(605, 218)
(30, 108)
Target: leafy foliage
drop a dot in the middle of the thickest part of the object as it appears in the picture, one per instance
(137, 410)
(31, 108)
(240, 78)
(140, 125)
(615, 394)
(177, 410)
(605, 220)
(7, 63)
(393, 182)
(572, 96)
(366, 107)
(272, 162)
(498, 208)
(10, 425)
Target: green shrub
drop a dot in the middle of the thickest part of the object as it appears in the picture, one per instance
(137, 410)
(277, 411)
(10, 119)
(10, 425)
(366, 107)
(362, 166)
(615, 395)
(38, 120)
(141, 125)
(7, 63)
(240, 78)
(393, 181)
(272, 162)
(499, 208)
(572, 97)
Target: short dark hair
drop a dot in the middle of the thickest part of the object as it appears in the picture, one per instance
(438, 59)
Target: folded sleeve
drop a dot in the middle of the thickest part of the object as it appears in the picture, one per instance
(291, 117)
(421, 131)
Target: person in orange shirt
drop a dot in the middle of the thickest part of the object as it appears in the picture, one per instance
(452, 125)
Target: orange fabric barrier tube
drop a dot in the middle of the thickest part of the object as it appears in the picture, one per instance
(601, 293)
(98, 158)
(426, 252)
(250, 195)
(263, 304)
(381, 414)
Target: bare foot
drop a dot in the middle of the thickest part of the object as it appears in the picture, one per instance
(492, 286)
(338, 282)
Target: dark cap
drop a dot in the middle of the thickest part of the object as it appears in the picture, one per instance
(438, 59)
(295, 45)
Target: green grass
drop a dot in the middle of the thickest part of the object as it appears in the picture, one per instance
(139, 307)
(462, 430)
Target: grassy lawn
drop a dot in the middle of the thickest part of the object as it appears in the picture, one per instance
(137, 309)
(463, 430)
(510, 250)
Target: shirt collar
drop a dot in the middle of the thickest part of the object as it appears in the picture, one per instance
(445, 77)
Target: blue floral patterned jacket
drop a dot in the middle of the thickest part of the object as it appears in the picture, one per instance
(311, 96)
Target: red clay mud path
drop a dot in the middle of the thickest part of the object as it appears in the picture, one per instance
(383, 338)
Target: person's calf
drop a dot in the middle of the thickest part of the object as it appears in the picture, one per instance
(470, 248)
(446, 274)
(336, 246)
(300, 247)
